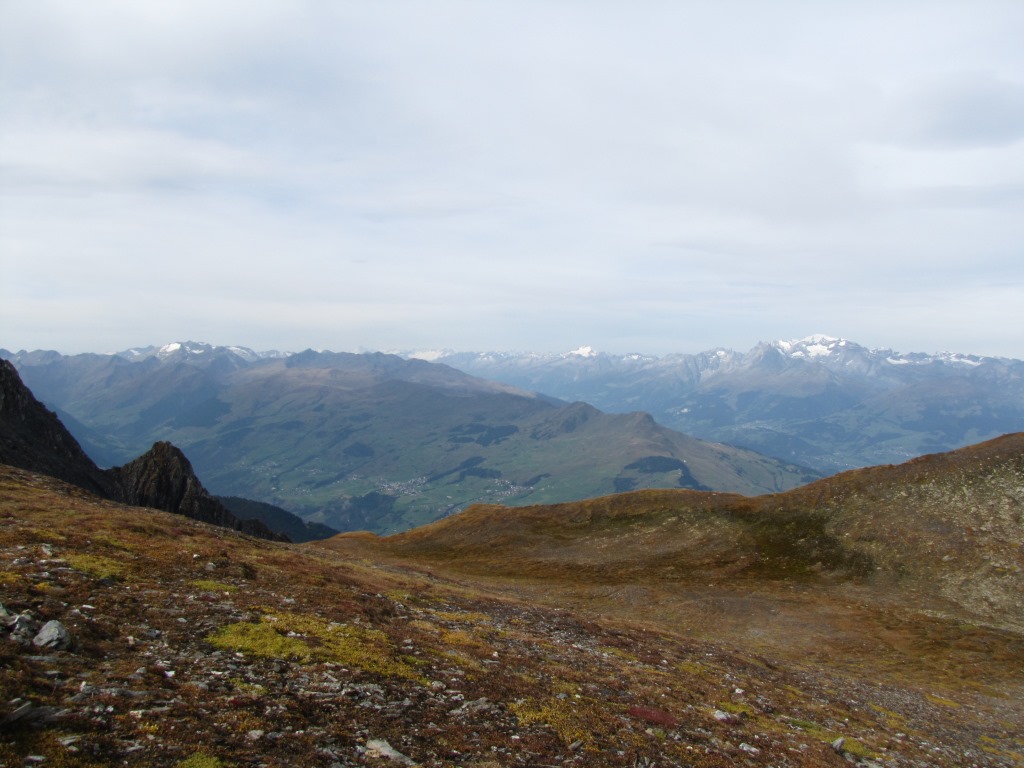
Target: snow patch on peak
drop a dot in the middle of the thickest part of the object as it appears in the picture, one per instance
(249, 355)
(188, 347)
(582, 352)
(179, 350)
(429, 355)
(815, 345)
(959, 359)
(818, 350)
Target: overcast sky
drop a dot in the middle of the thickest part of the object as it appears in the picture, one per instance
(634, 176)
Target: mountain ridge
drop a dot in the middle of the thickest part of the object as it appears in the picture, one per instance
(373, 440)
(820, 401)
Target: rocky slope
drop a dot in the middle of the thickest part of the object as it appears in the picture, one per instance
(193, 646)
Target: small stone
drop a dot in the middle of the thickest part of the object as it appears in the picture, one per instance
(476, 707)
(22, 627)
(837, 745)
(380, 748)
(749, 749)
(19, 712)
(254, 734)
(724, 717)
(53, 635)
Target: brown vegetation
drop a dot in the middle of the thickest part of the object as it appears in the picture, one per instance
(653, 629)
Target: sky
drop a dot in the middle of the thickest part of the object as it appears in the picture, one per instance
(637, 176)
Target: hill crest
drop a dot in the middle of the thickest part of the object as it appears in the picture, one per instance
(946, 527)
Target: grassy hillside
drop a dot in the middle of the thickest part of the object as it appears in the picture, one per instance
(804, 571)
(196, 646)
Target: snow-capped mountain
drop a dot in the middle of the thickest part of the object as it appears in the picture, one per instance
(820, 401)
(826, 402)
(192, 350)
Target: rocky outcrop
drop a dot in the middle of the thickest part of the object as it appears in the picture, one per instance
(162, 478)
(33, 438)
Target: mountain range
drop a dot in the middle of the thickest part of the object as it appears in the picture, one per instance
(372, 441)
(822, 402)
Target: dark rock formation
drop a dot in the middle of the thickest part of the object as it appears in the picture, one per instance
(162, 478)
(33, 438)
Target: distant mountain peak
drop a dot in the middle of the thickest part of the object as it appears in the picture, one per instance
(815, 345)
(583, 351)
(196, 350)
(429, 355)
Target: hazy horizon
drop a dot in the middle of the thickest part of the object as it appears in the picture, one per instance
(431, 353)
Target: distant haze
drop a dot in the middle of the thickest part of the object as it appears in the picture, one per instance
(634, 176)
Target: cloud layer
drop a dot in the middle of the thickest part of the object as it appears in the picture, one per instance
(646, 176)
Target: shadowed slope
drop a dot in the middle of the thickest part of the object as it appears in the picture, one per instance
(33, 438)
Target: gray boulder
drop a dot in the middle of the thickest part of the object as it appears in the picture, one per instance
(53, 636)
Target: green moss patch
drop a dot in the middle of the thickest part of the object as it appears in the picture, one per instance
(285, 635)
(200, 760)
(260, 639)
(208, 585)
(98, 566)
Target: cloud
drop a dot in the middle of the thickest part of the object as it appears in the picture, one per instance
(527, 174)
(961, 110)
